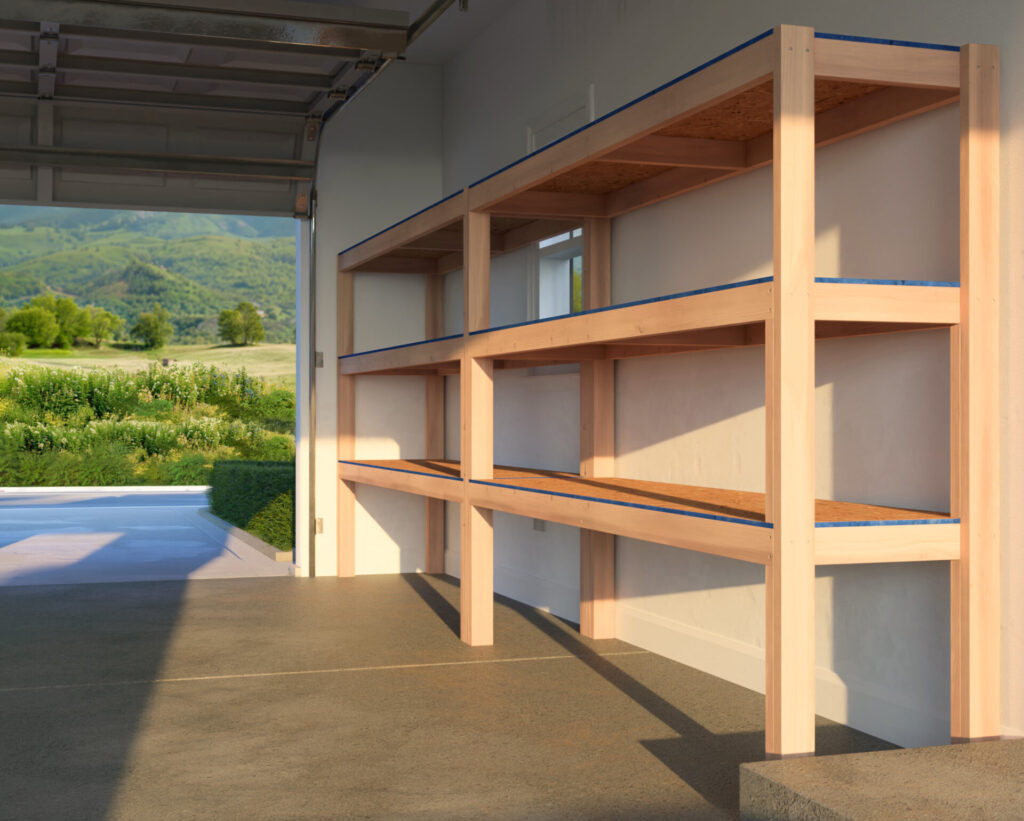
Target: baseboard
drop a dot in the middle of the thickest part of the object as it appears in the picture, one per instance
(878, 712)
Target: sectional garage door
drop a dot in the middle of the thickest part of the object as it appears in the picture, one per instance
(180, 105)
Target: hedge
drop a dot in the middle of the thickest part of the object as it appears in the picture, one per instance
(258, 497)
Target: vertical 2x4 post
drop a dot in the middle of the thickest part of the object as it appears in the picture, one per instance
(477, 427)
(597, 440)
(974, 401)
(789, 402)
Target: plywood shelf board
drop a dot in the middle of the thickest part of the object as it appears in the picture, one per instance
(650, 300)
(737, 506)
(836, 319)
(402, 345)
(401, 222)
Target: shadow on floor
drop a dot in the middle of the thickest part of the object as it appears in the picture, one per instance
(87, 636)
(708, 762)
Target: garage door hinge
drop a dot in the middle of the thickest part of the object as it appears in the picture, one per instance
(318, 525)
(318, 359)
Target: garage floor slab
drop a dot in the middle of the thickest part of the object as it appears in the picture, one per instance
(287, 698)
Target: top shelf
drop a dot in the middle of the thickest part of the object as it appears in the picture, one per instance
(712, 123)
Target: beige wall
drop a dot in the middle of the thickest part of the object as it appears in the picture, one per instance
(886, 207)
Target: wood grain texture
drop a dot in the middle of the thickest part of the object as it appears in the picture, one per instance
(736, 72)
(346, 546)
(789, 642)
(404, 476)
(476, 582)
(848, 302)
(597, 441)
(434, 435)
(887, 543)
(740, 504)
(886, 64)
(597, 584)
(975, 587)
(443, 215)
(477, 418)
(736, 306)
(688, 151)
(476, 276)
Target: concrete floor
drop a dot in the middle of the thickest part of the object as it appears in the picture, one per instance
(294, 698)
(981, 780)
(114, 536)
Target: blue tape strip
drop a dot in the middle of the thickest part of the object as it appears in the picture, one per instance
(928, 283)
(893, 522)
(682, 295)
(631, 103)
(401, 470)
(395, 225)
(403, 345)
(695, 515)
(909, 43)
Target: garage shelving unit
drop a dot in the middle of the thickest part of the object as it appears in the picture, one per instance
(770, 101)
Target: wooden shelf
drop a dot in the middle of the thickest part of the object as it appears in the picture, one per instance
(706, 126)
(713, 520)
(771, 100)
(726, 316)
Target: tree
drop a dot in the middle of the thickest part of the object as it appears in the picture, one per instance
(102, 324)
(153, 329)
(241, 326)
(12, 343)
(252, 323)
(72, 321)
(230, 327)
(3, 318)
(37, 324)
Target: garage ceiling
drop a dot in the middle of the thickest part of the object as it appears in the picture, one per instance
(181, 105)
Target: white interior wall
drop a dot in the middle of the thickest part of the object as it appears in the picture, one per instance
(380, 161)
(886, 207)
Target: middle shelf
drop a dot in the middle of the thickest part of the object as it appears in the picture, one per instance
(724, 316)
(728, 523)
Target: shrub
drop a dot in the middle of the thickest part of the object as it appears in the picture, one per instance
(178, 469)
(12, 343)
(258, 497)
(102, 466)
(37, 324)
(64, 393)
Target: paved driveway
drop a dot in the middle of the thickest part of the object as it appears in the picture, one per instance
(117, 536)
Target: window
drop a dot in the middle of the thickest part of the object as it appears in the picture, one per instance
(560, 274)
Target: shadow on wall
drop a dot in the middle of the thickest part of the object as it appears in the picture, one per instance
(78, 665)
(890, 446)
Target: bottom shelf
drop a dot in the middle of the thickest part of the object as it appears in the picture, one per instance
(714, 520)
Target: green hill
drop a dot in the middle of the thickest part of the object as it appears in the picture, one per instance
(195, 265)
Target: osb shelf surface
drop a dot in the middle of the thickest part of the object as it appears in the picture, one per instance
(717, 503)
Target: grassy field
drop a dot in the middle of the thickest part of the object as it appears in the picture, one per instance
(273, 362)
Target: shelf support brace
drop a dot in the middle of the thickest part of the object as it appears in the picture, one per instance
(974, 402)
(477, 425)
(597, 440)
(789, 405)
(346, 428)
(434, 405)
